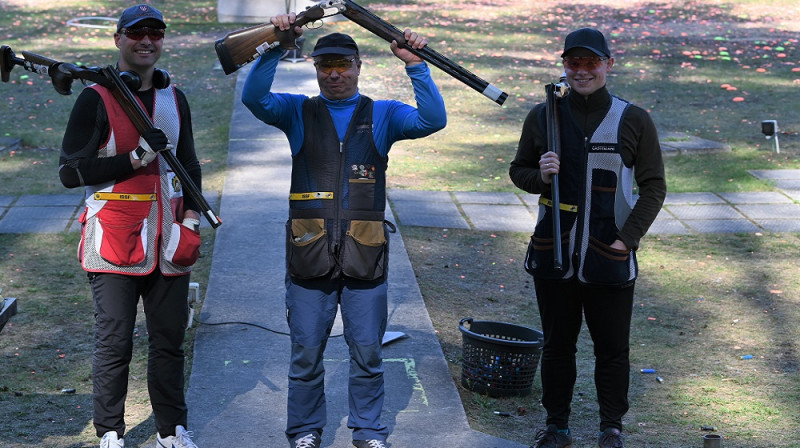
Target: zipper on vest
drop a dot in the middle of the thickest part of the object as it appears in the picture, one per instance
(338, 196)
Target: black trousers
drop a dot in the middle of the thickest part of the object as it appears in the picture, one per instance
(167, 312)
(608, 317)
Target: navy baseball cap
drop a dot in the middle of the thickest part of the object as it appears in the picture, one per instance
(136, 14)
(588, 38)
(335, 43)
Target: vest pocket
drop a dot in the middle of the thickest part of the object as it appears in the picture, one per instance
(361, 194)
(605, 265)
(121, 245)
(307, 254)
(184, 246)
(540, 257)
(365, 250)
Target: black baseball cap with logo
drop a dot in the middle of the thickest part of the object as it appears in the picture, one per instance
(136, 14)
(335, 43)
(588, 38)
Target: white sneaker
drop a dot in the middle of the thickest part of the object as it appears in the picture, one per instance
(111, 440)
(181, 439)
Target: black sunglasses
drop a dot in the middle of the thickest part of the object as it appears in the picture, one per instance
(139, 33)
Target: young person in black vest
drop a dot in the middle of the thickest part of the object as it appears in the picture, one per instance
(140, 236)
(607, 144)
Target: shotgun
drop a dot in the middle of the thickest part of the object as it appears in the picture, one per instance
(63, 74)
(240, 47)
(553, 93)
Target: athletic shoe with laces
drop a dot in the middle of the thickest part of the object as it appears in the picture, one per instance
(611, 438)
(372, 443)
(551, 438)
(181, 439)
(111, 440)
(311, 440)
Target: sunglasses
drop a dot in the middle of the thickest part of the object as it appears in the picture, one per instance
(587, 62)
(329, 65)
(138, 33)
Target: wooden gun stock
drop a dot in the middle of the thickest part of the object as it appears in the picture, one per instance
(243, 46)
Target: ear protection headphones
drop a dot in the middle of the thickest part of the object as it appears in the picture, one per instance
(134, 81)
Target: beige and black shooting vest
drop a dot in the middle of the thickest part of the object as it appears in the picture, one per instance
(337, 199)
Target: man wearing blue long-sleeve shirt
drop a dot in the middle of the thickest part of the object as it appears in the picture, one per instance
(337, 245)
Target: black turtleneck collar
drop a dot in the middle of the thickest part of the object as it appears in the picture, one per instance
(599, 100)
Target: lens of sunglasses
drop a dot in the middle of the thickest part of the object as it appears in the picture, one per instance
(139, 33)
(588, 62)
(340, 65)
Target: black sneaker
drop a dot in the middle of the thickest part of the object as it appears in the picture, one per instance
(551, 438)
(372, 443)
(310, 440)
(611, 438)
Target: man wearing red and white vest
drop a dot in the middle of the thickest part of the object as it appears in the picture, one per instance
(140, 236)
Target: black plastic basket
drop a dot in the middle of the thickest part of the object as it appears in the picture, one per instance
(500, 359)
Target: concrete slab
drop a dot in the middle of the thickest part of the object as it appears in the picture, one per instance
(8, 308)
(701, 212)
(668, 227)
(770, 211)
(788, 184)
(417, 195)
(793, 194)
(10, 143)
(50, 200)
(673, 143)
(664, 214)
(429, 214)
(508, 218)
(722, 226)
(775, 174)
(759, 197)
(43, 213)
(692, 198)
(531, 200)
(779, 225)
(478, 197)
(33, 225)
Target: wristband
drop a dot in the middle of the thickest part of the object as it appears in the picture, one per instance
(139, 153)
(191, 223)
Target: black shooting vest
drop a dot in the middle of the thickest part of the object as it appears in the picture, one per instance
(337, 198)
(596, 197)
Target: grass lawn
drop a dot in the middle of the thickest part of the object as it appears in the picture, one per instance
(704, 68)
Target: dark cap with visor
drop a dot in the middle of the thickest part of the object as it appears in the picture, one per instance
(136, 14)
(335, 43)
(588, 38)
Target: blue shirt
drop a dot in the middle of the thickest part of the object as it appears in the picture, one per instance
(392, 120)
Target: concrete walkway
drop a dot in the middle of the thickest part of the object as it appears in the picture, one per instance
(683, 213)
(237, 389)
